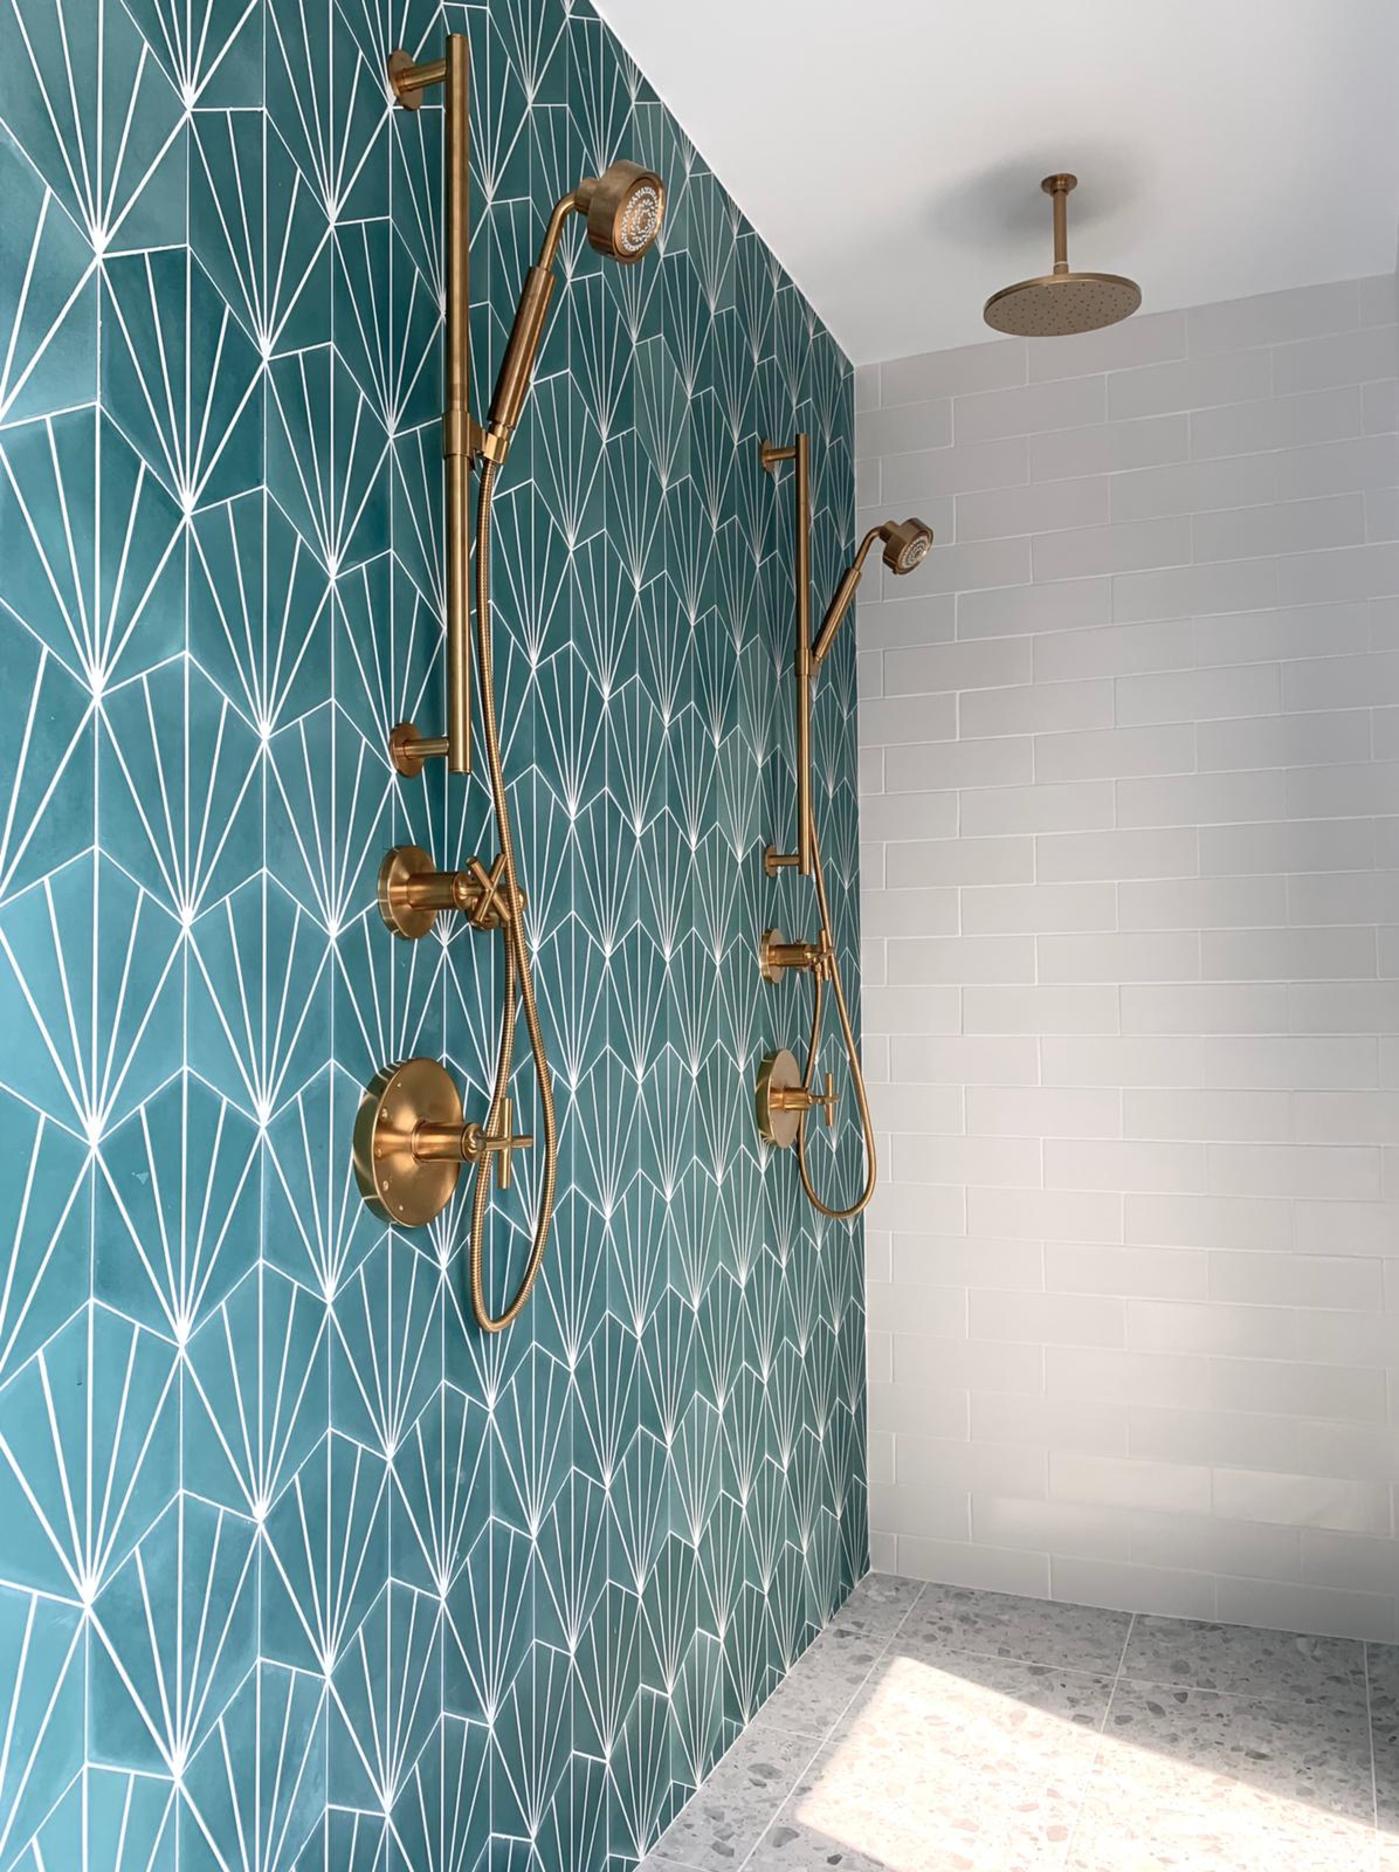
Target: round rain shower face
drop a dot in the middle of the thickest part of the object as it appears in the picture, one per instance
(1062, 302)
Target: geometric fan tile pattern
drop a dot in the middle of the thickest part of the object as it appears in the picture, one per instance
(299, 1572)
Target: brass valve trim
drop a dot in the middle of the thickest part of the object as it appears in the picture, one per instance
(411, 1140)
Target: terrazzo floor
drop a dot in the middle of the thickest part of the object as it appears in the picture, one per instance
(932, 1729)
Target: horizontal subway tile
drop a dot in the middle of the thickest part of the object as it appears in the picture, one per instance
(1172, 852)
(1198, 695)
(886, 817)
(1206, 1112)
(1065, 404)
(1035, 907)
(908, 718)
(1207, 1008)
(1084, 804)
(1125, 1483)
(1283, 740)
(1309, 1172)
(1343, 682)
(1285, 846)
(1129, 546)
(1276, 423)
(1153, 338)
(980, 563)
(967, 1260)
(1040, 507)
(897, 431)
(1159, 1273)
(912, 1010)
(967, 1059)
(1273, 318)
(1020, 610)
(1299, 526)
(932, 911)
(1232, 377)
(901, 622)
(1123, 1164)
(1046, 1215)
(1316, 1501)
(1114, 752)
(1151, 956)
(1287, 954)
(996, 1417)
(1202, 903)
(960, 861)
(989, 663)
(991, 366)
(955, 468)
(1345, 358)
(962, 959)
(1349, 573)
(1042, 1111)
(1209, 1221)
(1040, 1010)
(1344, 1007)
(997, 760)
(1036, 708)
(1195, 590)
(1201, 800)
(1115, 650)
(1046, 1319)
(1189, 487)
(1110, 448)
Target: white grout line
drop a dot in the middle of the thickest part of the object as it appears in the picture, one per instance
(1090, 1778)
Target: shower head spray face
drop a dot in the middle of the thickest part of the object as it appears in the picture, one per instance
(1060, 303)
(625, 207)
(906, 544)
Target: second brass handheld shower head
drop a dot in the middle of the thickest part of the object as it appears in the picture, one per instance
(906, 545)
(624, 208)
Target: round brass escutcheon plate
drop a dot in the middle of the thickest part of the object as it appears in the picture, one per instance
(403, 863)
(779, 1072)
(769, 970)
(401, 61)
(405, 753)
(397, 1185)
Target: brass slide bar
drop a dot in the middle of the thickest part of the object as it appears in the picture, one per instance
(799, 452)
(409, 749)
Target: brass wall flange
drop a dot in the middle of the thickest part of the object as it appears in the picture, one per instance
(775, 860)
(776, 955)
(782, 1101)
(412, 891)
(411, 1141)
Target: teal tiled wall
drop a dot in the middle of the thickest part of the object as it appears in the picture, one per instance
(297, 1569)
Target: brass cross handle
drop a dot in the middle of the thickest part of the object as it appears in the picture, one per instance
(478, 1141)
(412, 891)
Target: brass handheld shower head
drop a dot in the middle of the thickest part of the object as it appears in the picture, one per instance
(906, 545)
(624, 208)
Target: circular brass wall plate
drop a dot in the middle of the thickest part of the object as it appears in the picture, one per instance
(769, 970)
(396, 1184)
(779, 1072)
(404, 751)
(399, 62)
(401, 864)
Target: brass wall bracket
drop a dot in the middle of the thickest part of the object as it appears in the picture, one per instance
(782, 1101)
(411, 1141)
(776, 955)
(775, 860)
(412, 891)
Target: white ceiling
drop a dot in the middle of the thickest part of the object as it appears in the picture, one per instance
(890, 151)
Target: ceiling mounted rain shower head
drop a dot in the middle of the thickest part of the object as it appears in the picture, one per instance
(1061, 302)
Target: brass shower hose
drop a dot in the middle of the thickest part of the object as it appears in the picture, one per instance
(519, 983)
(852, 1053)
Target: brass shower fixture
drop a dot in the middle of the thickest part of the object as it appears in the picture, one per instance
(412, 891)
(411, 1140)
(412, 1137)
(1060, 303)
(785, 1095)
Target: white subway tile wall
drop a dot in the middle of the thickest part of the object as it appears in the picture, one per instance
(1130, 794)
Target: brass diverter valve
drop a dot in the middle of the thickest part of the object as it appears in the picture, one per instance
(783, 1101)
(411, 1140)
(412, 891)
(776, 955)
